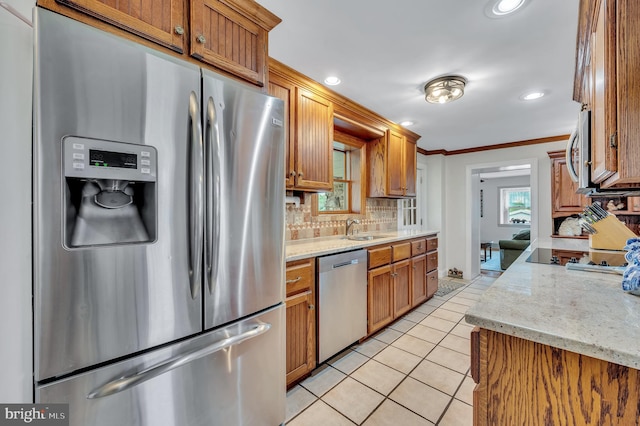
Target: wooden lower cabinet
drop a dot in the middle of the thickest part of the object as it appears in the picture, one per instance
(380, 305)
(301, 319)
(419, 280)
(401, 277)
(521, 382)
(401, 274)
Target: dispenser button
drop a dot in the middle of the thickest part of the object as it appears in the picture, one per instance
(78, 146)
(145, 154)
(78, 156)
(145, 170)
(78, 166)
(145, 162)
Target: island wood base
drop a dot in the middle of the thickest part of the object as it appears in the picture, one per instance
(520, 382)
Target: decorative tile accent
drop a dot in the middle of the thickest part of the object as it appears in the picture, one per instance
(380, 215)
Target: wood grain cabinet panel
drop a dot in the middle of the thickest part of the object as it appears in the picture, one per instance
(418, 247)
(564, 198)
(380, 304)
(526, 383)
(400, 251)
(285, 90)
(418, 280)
(232, 35)
(392, 166)
(401, 273)
(314, 141)
(161, 22)
(301, 319)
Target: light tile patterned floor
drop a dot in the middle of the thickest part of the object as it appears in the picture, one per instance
(414, 372)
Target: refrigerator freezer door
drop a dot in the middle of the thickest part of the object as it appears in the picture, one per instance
(236, 384)
(94, 304)
(244, 250)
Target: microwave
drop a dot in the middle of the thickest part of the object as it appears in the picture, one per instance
(579, 154)
(579, 162)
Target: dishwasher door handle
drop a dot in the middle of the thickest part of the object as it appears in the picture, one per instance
(350, 262)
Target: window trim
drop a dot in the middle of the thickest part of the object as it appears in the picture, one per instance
(512, 225)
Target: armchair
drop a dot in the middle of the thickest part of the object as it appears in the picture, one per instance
(511, 249)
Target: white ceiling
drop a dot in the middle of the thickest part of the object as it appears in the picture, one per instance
(385, 51)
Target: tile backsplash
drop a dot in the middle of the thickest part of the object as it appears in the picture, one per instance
(380, 215)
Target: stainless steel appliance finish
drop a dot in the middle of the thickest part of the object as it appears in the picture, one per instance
(203, 210)
(218, 378)
(342, 301)
(244, 248)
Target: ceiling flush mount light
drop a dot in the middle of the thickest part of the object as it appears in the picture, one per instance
(444, 89)
(332, 80)
(406, 123)
(531, 96)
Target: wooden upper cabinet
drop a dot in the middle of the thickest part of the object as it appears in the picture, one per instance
(607, 63)
(282, 89)
(603, 97)
(161, 22)
(313, 142)
(392, 166)
(232, 35)
(564, 199)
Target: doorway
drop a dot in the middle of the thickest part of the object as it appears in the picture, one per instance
(477, 211)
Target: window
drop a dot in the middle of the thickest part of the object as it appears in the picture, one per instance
(515, 206)
(348, 194)
(408, 213)
(339, 200)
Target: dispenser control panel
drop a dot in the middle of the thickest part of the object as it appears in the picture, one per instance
(99, 159)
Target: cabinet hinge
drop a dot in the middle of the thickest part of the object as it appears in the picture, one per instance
(613, 141)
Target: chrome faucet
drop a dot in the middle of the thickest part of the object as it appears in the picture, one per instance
(349, 222)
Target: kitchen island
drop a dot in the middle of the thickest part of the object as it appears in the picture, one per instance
(556, 346)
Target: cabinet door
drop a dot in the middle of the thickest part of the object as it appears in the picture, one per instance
(401, 273)
(432, 261)
(418, 280)
(432, 283)
(603, 99)
(161, 22)
(286, 91)
(300, 337)
(230, 40)
(314, 141)
(564, 197)
(380, 298)
(395, 160)
(410, 155)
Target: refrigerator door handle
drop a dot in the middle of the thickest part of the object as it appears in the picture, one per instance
(196, 191)
(127, 382)
(213, 164)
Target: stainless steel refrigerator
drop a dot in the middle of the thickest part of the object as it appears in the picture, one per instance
(158, 236)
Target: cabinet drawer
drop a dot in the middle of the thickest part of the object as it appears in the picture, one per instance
(300, 276)
(432, 261)
(400, 251)
(379, 256)
(418, 247)
(432, 283)
(432, 243)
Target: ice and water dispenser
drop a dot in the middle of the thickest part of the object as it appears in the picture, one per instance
(110, 192)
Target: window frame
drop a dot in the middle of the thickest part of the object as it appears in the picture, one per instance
(519, 188)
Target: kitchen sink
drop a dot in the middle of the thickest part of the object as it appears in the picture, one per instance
(362, 237)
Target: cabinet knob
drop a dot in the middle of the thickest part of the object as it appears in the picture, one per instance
(200, 39)
(292, 173)
(179, 30)
(300, 174)
(311, 307)
(612, 140)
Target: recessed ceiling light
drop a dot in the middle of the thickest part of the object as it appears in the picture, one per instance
(332, 80)
(531, 96)
(500, 8)
(406, 123)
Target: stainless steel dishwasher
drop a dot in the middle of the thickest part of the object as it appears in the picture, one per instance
(342, 301)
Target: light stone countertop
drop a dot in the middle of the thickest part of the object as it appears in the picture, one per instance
(322, 246)
(582, 312)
